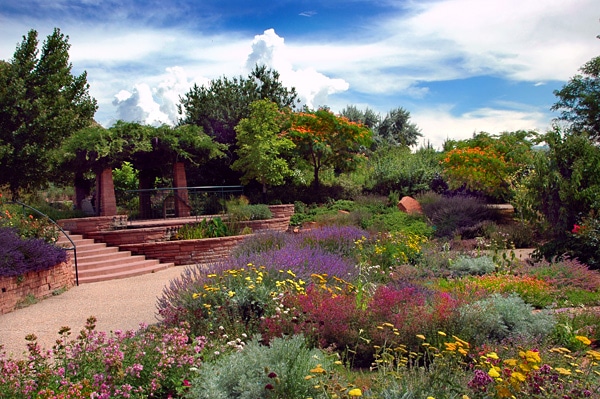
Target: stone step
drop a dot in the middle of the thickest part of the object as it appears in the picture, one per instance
(108, 261)
(98, 262)
(130, 270)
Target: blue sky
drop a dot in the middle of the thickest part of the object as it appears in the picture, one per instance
(458, 66)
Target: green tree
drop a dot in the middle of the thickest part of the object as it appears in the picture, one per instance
(488, 164)
(219, 106)
(579, 100)
(398, 169)
(326, 140)
(261, 144)
(561, 191)
(563, 185)
(368, 117)
(41, 104)
(396, 129)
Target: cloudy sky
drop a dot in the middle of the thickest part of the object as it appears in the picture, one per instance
(458, 66)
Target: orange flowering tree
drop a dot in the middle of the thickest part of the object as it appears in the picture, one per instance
(326, 140)
(487, 164)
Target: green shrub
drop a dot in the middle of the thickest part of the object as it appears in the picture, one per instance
(258, 371)
(398, 169)
(245, 212)
(466, 265)
(397, 221)
(206, 228)
(498, 318)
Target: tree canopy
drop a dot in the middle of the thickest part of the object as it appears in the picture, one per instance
(219, 106)
(397, 129)
(324, 139)
(487, 163)
(147, 147)
(261, 144)
(579, 100)
(41, 104)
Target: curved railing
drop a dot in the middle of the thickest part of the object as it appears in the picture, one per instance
(73, 246)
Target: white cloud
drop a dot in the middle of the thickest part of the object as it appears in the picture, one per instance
(312, 86)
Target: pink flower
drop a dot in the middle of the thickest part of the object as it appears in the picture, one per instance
(186, 383)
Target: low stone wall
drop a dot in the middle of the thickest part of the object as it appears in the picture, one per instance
(187, 252)
(119, 238)
(40, 284)
(92, 224)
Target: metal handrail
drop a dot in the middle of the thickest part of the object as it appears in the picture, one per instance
(73, 248)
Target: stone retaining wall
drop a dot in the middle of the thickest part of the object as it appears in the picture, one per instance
(120, 238)
(187, 252)
(40, 284)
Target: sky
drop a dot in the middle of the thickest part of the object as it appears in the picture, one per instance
(458, 66)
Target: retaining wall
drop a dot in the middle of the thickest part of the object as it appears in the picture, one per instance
(40, 284)
(187, 252)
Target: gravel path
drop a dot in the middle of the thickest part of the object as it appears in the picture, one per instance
(117, 304)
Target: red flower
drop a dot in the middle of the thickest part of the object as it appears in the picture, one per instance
(576, 229)
(186, 383)
(269, 387)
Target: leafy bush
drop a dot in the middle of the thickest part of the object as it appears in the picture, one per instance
(449, 214)
(206, 228)
(245, 212)
(389, 250)
(565, 273)
(398, 169)
(212, 298)
(279, 370)
(330, 316)
(498, 318)
(466, 265)
(19, 256)
(400, 221)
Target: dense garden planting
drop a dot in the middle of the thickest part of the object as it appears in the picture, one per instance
(373, 302)
(361, 300)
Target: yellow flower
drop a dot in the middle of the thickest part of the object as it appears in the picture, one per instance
(355, 392)
(594, 354)
(231, 294)
(492, 355)
(510, 362)
(563, 371)
(584, 340)
(518, 376)
(465, 397)
(318, 369)
(421, 336)
(493, 373)
(443, 334)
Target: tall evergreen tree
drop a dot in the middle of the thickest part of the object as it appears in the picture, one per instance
(41, 104)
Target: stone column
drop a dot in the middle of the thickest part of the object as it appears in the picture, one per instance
(182, 206)
(106, 203)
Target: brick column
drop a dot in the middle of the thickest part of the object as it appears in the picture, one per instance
(182, 207)
(106, 203)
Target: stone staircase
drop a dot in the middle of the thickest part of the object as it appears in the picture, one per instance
(98, 262)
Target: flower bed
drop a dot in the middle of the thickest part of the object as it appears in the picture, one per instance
(37, 284)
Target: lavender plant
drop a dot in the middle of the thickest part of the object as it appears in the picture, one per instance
(19, 256)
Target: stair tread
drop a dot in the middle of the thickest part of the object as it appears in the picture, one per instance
(97, 261)
(111, 275)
